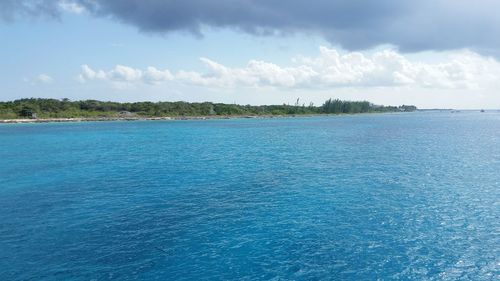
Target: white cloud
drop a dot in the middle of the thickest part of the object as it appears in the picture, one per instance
(71, 7)
(385, 68)
(125, 74)
(153, 75)
(44, 78)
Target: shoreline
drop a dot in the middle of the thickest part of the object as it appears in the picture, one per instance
(174, 118)
(177, 118)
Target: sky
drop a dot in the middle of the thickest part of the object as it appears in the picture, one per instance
(428, 53)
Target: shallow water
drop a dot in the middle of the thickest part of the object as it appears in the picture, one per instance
(362, 197)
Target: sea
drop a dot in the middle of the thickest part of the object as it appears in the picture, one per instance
(397, 196)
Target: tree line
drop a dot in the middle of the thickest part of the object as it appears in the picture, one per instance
(65, 108)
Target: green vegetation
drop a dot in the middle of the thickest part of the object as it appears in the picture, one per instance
(64, 108)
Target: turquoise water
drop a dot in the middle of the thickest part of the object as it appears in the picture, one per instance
(363, 197)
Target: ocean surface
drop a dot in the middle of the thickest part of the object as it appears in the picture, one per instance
(410, 196)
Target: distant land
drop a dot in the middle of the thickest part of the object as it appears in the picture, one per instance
(39, 109)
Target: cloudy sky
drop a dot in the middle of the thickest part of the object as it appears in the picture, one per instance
(431, 53)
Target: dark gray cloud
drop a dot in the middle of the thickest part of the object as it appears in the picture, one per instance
(354, 24)
(341, 21)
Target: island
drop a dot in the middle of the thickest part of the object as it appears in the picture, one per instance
(65, 110)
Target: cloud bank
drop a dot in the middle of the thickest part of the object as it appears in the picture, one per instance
(386, 68)
(121, 73)
(354, 24)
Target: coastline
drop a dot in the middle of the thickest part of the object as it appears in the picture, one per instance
(174, 118)
(40, 110)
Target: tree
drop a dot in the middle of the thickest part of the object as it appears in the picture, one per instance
(26, 111)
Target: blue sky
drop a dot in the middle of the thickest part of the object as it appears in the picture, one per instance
(253, 51)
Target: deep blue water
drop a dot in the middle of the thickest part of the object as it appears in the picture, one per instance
(363, 197)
